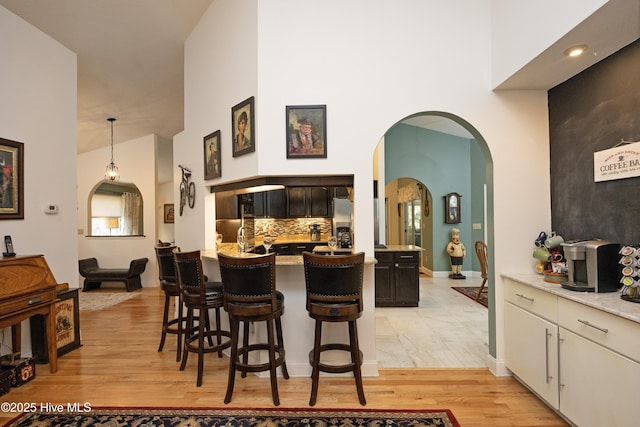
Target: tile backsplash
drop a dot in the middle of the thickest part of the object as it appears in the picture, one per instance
(289, 226)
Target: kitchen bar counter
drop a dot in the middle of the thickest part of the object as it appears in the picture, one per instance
(609, 302)
(297, 326)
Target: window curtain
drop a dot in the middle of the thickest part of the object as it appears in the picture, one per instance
(409, 193)
(131, 205)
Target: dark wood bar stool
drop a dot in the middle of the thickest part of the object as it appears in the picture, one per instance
(250, 295)
(334, 294)
(198, 294)
(169, 285)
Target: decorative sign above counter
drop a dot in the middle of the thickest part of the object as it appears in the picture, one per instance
(621, 161)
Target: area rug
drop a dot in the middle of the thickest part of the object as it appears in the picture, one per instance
(233, 417)
(99, 300)
(472, 292)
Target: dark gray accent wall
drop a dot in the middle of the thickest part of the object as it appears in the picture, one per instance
(591, 112)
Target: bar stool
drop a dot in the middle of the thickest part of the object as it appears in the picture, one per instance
(169, 285)
(198, 294)
(250, 295)
(334, 294)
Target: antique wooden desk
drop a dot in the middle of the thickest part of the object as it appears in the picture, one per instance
(27, 287)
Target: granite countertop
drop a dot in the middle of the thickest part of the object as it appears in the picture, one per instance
(609, 302)
(399, 248)
(281, 260)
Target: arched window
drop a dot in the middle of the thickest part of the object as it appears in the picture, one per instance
(115, 209)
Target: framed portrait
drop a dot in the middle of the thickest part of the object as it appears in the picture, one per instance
(11, 179)
(306, 131)
(243, 128)
(212, 159)
(169, 213)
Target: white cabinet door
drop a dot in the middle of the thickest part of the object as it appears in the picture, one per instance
(531, 351)
(597, 386)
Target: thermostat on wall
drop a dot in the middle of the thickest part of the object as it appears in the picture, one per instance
(51, 209)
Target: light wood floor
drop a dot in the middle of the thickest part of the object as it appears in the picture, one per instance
(118, 365)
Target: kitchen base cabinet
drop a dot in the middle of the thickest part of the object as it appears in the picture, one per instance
(532, 351)
(397, 279)
(597, 386)
(587, 368)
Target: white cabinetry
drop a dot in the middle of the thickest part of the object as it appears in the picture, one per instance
(598, 378)
(584, 362)
(531, 337)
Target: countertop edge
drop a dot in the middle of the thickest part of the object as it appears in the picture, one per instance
(281, 260)
(609, 302)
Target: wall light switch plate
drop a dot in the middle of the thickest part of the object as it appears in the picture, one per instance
(477, 226)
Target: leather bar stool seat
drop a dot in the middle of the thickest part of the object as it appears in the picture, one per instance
(198, 294)
(334, 294)
(250, 296)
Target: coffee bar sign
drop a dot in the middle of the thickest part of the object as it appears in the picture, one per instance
(621, 161)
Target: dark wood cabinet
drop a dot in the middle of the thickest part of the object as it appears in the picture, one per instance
(305, 202)
(270, 204)
(227, 206)
(397, 278)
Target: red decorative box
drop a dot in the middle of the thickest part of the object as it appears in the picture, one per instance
(22, 370)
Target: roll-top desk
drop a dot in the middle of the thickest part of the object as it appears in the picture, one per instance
(27, 288)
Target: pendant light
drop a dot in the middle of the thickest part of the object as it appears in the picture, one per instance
(112, 173)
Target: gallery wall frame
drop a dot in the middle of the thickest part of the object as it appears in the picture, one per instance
(212, 156)
(11, 179)
(243, 127)
(306, 130)
(169, 213)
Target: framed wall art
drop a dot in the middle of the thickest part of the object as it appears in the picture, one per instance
(212, 159)
(306, 129)
(11, 179)
(243, 127)
(169, 213)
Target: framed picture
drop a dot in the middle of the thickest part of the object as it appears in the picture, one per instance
(306, 131)
(212, 159)
(243, 129)
(169, 213)
(452, 214)
(11, 179)
(67, 327)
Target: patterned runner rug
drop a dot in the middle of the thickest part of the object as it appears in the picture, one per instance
(125, 417)
(472, 292)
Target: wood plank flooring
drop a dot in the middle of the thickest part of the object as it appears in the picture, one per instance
(118, 365)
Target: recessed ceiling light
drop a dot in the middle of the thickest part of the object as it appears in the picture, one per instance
(575, 50)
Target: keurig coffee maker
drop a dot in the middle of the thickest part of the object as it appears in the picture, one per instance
(592, 265)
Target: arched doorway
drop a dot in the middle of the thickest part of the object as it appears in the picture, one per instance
(445, 154)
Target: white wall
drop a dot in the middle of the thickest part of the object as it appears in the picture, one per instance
(521, 30)
(372, 64)
(38, 108)
(136, 162)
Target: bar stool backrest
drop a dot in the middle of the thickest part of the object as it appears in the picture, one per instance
(248, 280)
(190, 276)
(166, 264)
(334, 279)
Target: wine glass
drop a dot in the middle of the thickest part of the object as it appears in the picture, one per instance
(218, 242)
(267, 241)
(333, 243)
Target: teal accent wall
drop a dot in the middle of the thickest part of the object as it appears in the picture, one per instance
(444, 164)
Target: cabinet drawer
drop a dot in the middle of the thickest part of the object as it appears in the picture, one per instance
(617, 333)
(533, 300)
(384, 256)
(23, 302)
(406, 257)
